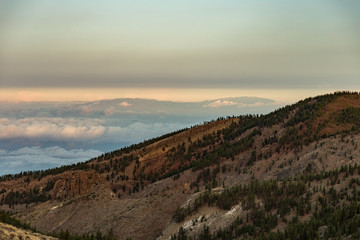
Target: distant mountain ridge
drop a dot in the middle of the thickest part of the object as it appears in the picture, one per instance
(123, 105)
(282, 175)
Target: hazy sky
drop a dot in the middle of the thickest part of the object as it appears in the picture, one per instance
(151, 48)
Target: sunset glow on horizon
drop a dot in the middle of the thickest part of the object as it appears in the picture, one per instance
(285, 96)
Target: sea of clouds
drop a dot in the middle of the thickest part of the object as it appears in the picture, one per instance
(43, 135)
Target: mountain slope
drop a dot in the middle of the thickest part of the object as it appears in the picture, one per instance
(147, 191)
(8, 232)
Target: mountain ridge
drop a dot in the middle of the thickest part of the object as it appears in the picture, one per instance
(138, 191)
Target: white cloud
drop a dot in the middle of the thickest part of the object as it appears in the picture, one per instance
(66, 130)
(220, 103)
(257, 104)
(34, 158)
(52, 128)
(125, 104)
(111, 110)
(55, 151)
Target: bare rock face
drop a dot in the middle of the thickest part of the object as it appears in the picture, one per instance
(75, 184)
(322, 231)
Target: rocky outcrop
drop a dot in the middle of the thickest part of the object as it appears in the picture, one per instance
(75, 184)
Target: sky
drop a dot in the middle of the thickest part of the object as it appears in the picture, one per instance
(60, 60)
(147, 46)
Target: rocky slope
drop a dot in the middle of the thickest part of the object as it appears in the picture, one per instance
(8, 232)
(140, 192)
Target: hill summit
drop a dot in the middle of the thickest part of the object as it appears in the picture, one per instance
(290, 174)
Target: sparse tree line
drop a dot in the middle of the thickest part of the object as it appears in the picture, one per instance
(324, 197)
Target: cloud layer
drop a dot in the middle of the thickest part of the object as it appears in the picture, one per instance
(220, 103)
(34, 158)
(51, 128)
(37, 135)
